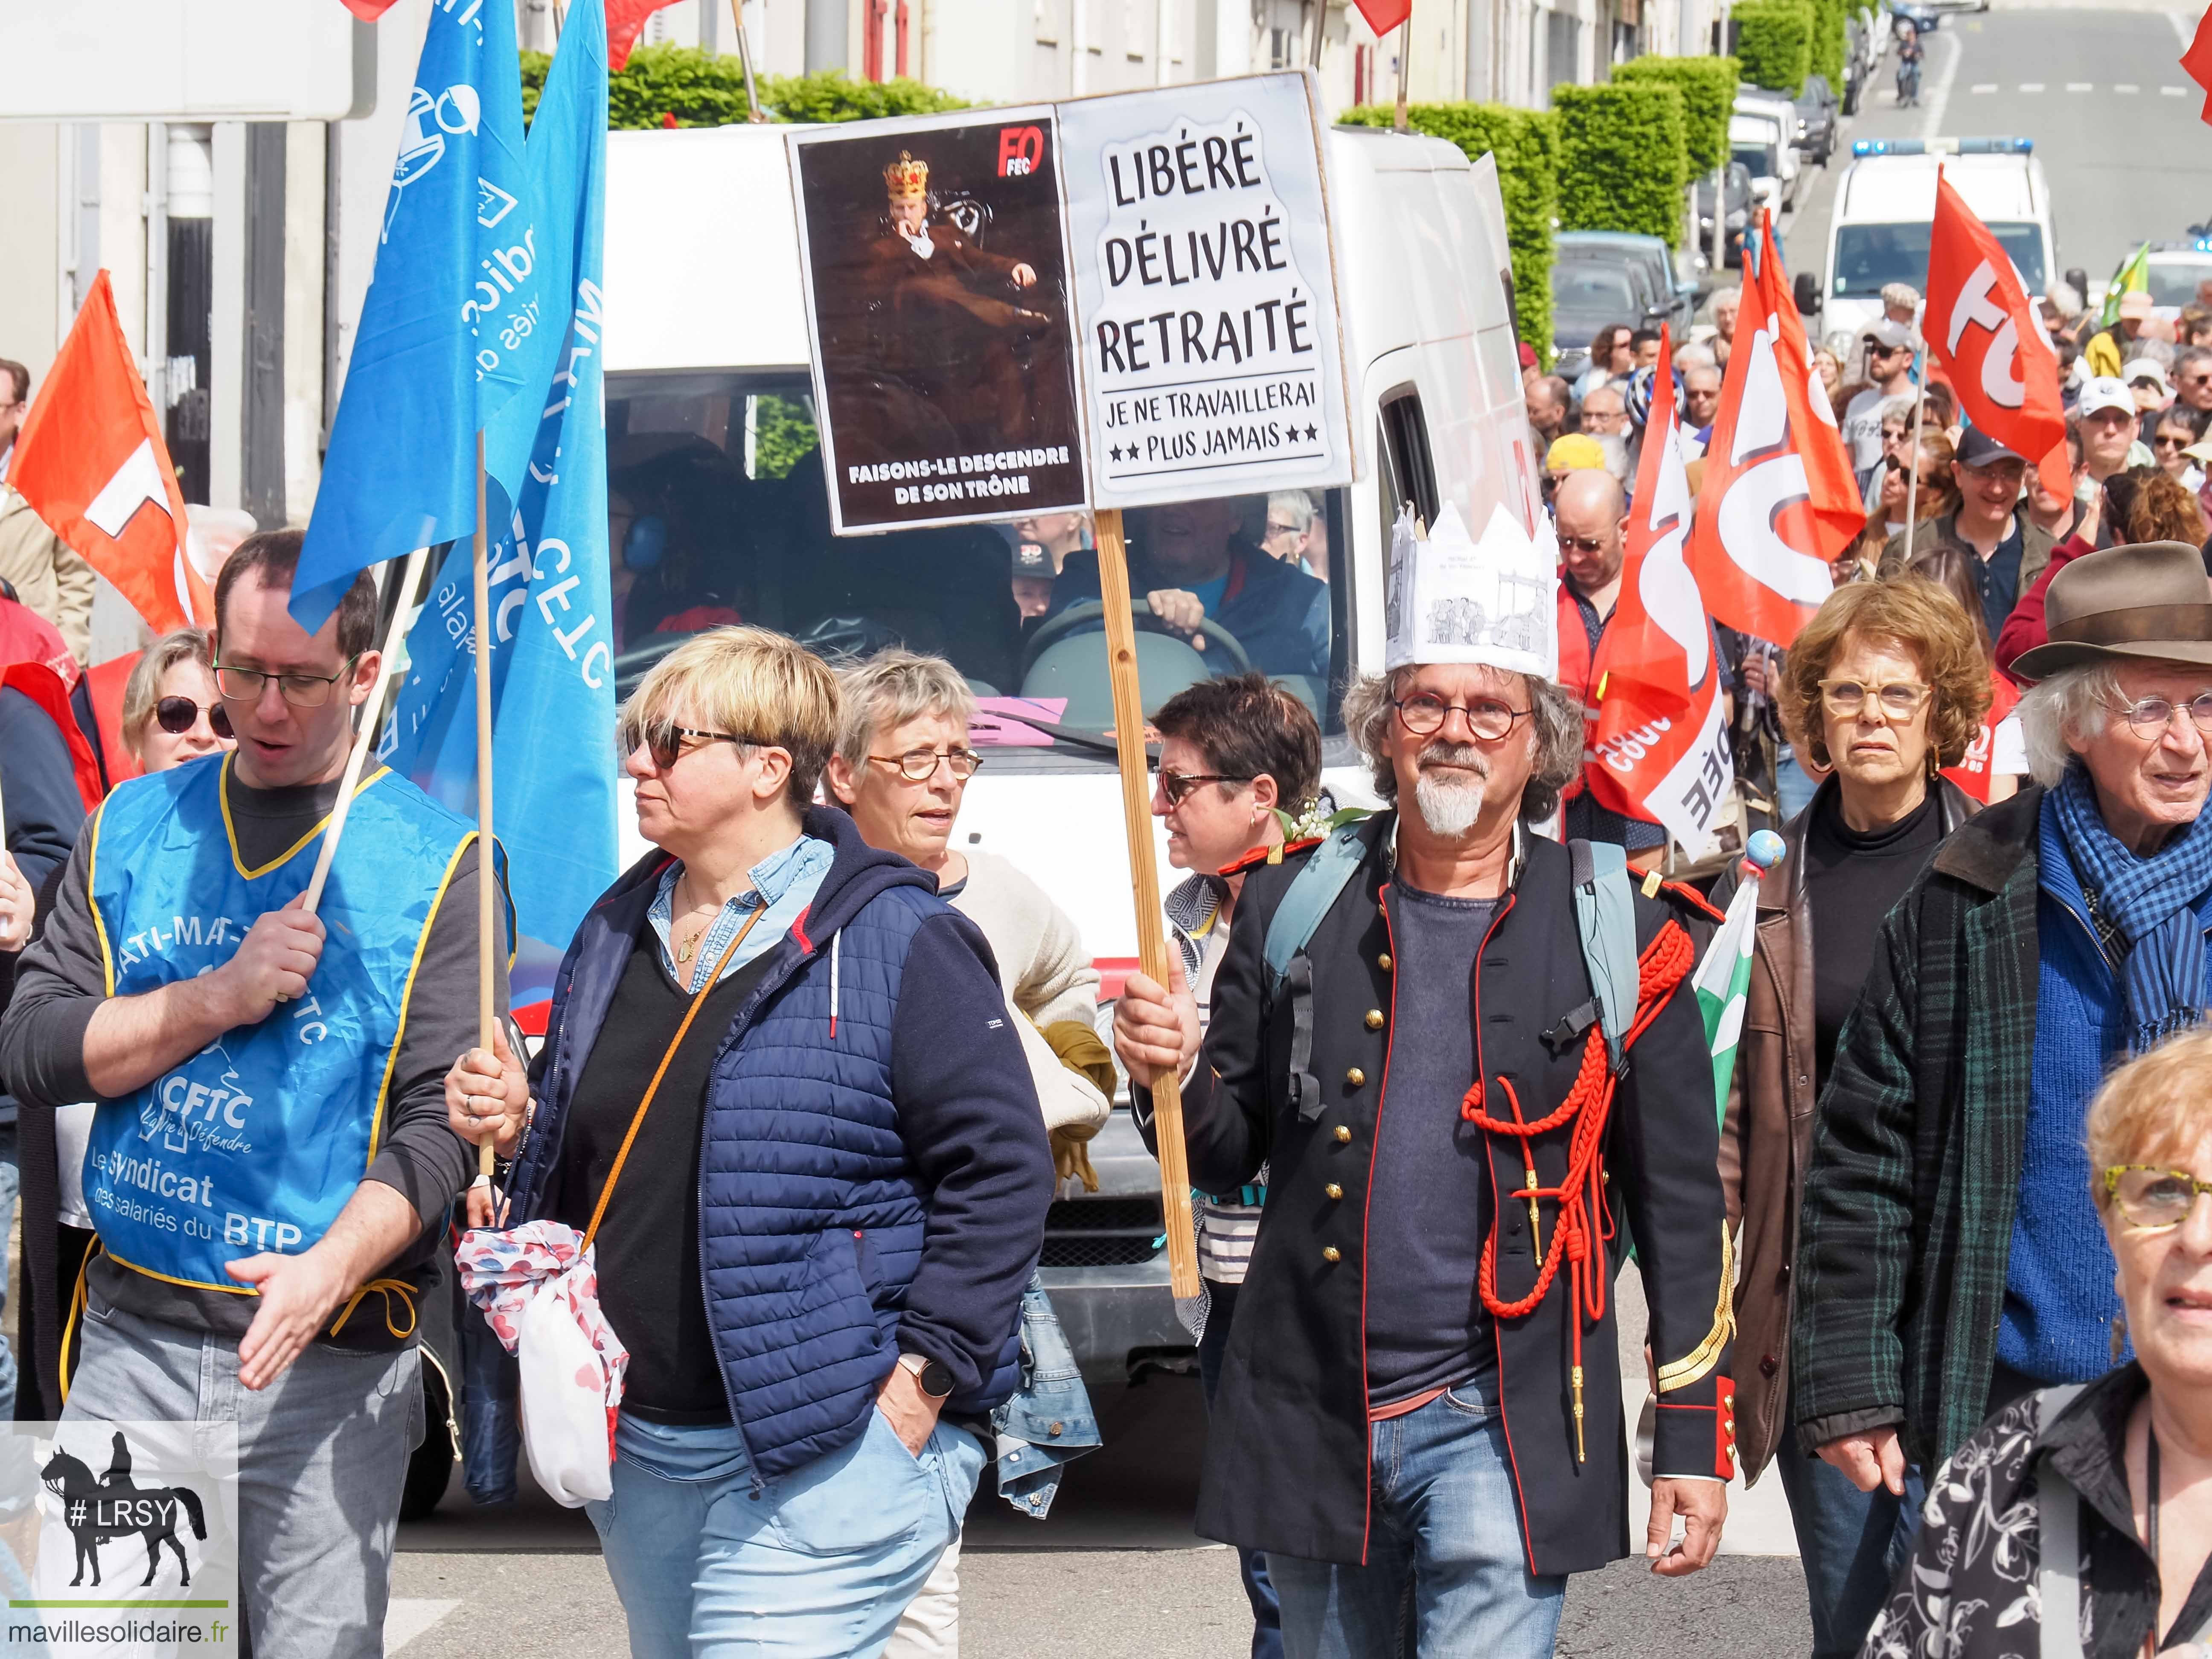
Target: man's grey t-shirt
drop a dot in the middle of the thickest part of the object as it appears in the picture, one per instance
(1428, 1205)
(59, 983)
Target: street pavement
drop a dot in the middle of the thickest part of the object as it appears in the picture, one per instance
(1117, 1570)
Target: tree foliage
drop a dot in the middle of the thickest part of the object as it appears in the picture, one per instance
(1708, 87)
(1774, 43)
(702, 89)
(1622, 160)
(1525, 143)
(1828, 44)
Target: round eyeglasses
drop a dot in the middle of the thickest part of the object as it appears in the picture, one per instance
(1423, 715)
(919, 765)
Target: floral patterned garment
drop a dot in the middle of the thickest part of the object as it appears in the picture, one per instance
(1970, 1590)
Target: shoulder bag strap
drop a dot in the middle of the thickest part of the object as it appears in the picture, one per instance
(2059, 1524)
(637, 1118)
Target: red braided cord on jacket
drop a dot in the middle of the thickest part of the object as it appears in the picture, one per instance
(1665, 962)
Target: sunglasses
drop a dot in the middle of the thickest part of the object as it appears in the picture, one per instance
(1177, 786)
(177, 715)
(666, 742)
(1583, 543)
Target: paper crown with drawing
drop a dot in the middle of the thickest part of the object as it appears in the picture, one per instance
(1453, 599)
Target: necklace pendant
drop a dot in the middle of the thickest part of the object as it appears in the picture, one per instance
(683, 951)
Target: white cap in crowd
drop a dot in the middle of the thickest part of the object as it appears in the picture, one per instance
(2102, 393)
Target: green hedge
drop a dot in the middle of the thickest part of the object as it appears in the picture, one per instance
(1827, 52)
(1708, 89)
(1526, 143)
(1622, 160)
(1774, 43)
(701, 89)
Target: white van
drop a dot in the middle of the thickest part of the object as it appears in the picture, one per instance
(1761, 143)
(710, 436)
(1886, 206)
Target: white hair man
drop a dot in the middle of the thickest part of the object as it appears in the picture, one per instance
(1412, 1302)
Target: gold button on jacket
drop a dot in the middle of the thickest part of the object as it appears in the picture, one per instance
(1334, 1190)
(1332, 1254)
(1374, 1019)
(1343, 1134)
(1355, 1076)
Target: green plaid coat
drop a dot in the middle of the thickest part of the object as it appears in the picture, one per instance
(1908, 1207)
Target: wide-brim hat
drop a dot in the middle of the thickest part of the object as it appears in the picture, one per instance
(2150, 602)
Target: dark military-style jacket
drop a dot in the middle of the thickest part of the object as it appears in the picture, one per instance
(1287, 1452)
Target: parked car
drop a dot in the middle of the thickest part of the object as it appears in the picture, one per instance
(1819, 117)
(1736, 194)
(1757, 141)
(1672, 295)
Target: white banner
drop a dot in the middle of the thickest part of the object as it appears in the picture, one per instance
(1206, 316)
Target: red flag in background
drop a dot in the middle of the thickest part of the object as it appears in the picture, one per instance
(1780, 500)
(1383, 15)
(2197, 61)
(1982, 328)
(626, 21)
(369, 11)
(91, 462)
(1658, 746)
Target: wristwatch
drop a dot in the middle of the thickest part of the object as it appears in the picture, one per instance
(934, 1375)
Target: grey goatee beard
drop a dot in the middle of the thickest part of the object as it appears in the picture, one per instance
(1449, 805)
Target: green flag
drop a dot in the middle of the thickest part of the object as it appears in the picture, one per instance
(2133, 277)
(1720, 982)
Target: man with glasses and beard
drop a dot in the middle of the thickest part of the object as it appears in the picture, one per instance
(274, 1161)
(1420, 1402)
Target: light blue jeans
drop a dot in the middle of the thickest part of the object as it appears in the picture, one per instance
(322, 1452)
(1445, 1532)
(819, 1564)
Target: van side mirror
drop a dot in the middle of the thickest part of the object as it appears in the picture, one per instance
(1806, 292)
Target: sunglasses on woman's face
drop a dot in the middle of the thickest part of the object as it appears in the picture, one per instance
(177, 715)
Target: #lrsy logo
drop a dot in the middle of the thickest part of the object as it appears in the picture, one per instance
(97, 1511)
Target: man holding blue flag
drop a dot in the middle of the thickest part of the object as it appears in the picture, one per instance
(270, 1165)
(551, 637)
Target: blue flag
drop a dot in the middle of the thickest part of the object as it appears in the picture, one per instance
(452, 327)
(553, 683)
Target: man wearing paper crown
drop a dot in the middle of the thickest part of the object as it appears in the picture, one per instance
(1466, 1055)
(271, 1164)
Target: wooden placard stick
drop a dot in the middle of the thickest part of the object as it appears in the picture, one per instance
(1144, 885)
(487, 882)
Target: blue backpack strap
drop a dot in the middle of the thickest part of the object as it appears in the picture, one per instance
(1305, 902)
(1605, 920)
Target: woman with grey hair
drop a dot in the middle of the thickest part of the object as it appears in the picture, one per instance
(2053, 934)
(902, 764)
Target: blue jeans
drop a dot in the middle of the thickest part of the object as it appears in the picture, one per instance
(1445, 1529)
(1851, 1543)
(1252, 1564)
(819, 1564)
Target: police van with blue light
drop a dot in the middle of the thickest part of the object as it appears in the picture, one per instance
(1886, 206)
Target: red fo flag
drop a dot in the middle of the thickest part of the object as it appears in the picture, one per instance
(2197, 61)
(1383, 15)
(1981, 329)
(1780, 501)
(626, 21)
(91, 462)
(1658, 746)
(369, 11)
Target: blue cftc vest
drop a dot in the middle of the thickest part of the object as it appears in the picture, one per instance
(256, 1142)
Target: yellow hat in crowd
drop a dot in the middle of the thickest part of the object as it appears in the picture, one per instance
(1575, 452)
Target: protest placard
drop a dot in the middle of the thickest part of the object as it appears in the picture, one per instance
(937, 296)
(1205, 300)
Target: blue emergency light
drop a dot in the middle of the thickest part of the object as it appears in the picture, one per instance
(1862, 147)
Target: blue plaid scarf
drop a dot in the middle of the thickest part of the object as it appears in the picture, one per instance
(2145, 907)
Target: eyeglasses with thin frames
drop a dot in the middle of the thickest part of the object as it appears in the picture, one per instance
(2151, 718)
(919, 765)
(1900, 700)
(301, 690)
(1487, 719)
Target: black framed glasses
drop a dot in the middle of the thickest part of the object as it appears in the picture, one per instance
(1177, 786)
(2153, 1198)
(1487, 719)
(667, 742)
(919, 765)
(177, 715)
(301, 690)
(2152, 716)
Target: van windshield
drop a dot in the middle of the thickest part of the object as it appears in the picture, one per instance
(1757, 160)
(717, 513)
(2174, 280)
(1868, 257)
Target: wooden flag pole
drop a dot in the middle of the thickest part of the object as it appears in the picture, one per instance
(1405, 51)
(395, 636)
(1144, 885)
(486, 921)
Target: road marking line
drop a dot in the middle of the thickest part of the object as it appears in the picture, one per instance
(2129, 87)
(1983, 86)
(2175, 92)
(2031, 86)
(407, 1617)
(1941, 99)
(2079, 86)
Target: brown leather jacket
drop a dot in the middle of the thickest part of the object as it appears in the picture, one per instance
(1767, 1139)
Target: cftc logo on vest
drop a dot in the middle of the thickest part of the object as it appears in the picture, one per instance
(119, 1538)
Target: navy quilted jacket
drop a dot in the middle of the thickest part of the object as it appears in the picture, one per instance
(875, 1172)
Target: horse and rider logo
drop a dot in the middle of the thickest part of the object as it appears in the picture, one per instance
(96, 1510)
